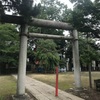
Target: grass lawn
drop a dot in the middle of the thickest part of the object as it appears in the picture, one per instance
(7, 87)
(66, 80)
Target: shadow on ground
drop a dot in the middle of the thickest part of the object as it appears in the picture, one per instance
(87, 94)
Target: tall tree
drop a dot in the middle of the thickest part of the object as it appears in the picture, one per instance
(86, 55)
(52, 10)
(85, 16)
(89, 51)
(9, 45)
(25, 8)
(46, 54)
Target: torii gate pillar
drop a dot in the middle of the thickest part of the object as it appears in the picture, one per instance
(76, 63)
(22, 62)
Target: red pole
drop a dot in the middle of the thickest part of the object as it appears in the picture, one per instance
(56, 87)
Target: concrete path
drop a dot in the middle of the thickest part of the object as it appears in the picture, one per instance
(42, 91)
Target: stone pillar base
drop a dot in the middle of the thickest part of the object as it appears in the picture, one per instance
(78, 89)
(21, 97)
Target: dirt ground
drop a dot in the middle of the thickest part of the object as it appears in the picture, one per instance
(87, 94)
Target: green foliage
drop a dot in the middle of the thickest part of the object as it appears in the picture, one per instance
(9, 44)
(85, 16)
(88, 50)
(26, 8)
(46, 53)
(62, 63)
(52, 10)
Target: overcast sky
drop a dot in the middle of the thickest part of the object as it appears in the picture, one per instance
(63, 1)
(69, 4)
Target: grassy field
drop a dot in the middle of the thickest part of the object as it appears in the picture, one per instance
(7, 87)
(66, 80)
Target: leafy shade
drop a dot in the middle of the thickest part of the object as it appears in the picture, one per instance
(88, 52)
(52, 10)
(85, 16)
(9, 44)
(25, 8)
(46, 53)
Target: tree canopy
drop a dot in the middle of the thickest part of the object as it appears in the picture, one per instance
(26, 8)
(52, 10)
(46, 54)
(85, 16)
(9, 44)
(88, 50)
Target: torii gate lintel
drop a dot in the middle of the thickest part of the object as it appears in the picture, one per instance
(36, 22)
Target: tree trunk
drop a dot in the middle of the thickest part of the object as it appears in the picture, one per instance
(89, 66)
(90, 78)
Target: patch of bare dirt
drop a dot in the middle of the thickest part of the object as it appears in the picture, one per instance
(86, 93)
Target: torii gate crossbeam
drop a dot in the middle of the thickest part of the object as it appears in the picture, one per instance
(48, 36)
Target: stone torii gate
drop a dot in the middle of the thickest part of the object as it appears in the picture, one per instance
(23, 46)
